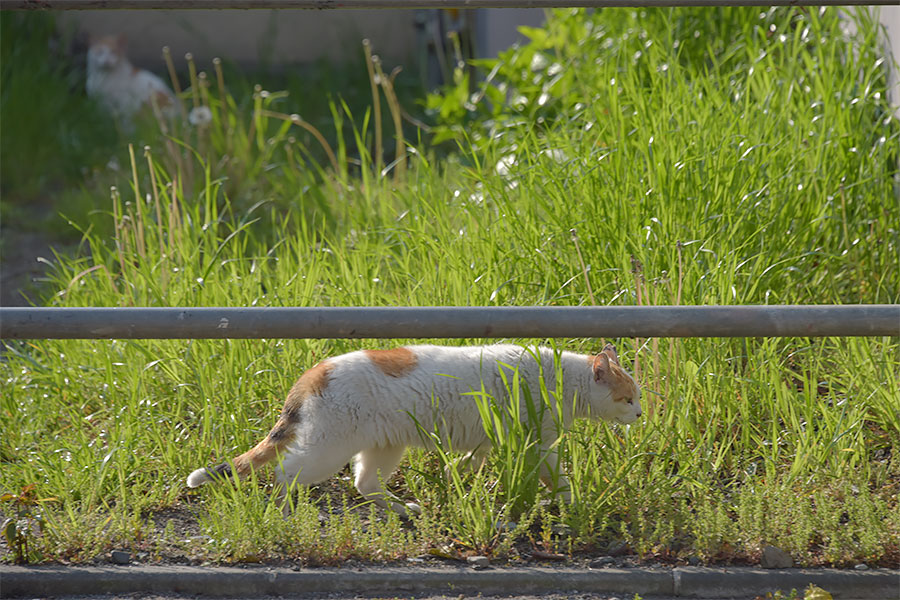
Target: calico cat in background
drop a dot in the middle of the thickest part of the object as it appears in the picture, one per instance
(120, 87)
(360, 406)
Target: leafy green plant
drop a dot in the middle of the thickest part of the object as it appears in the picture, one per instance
(23, 530)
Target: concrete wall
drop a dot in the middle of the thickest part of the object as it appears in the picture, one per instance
(299, 36)
(253, 36)
(496, 29)
(890, 18)
(285, 36)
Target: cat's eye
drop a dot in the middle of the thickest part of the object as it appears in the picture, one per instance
(631, 401)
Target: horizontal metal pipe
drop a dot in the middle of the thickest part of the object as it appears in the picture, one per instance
(403, 4)
(451, 322)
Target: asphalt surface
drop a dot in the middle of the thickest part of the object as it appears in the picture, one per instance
(562, 596)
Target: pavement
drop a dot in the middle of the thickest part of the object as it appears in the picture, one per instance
(258, 582)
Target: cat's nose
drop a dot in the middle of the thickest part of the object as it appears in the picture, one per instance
(639, 413)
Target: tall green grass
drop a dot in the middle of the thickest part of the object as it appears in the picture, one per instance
(751, 162)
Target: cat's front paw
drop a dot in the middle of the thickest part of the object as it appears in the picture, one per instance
(413, 509)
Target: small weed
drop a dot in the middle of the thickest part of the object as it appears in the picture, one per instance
(779, 595)
(22, 531)
(812, 592)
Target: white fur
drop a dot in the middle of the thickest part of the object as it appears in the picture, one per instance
(365, 413)
(121, 88)
(197, 478)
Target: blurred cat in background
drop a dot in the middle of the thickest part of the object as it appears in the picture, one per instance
(122, 88)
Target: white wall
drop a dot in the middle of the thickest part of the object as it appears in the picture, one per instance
(496, 29)
(291, 36)
(249, 37)
(890, 18)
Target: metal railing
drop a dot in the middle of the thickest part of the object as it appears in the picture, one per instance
(404, 4)
(451, 322)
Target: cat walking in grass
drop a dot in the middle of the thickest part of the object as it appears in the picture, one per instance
(368, 406)
(124, 90)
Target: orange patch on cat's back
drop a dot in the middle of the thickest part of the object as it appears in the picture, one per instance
(312, 383)
(395, 363)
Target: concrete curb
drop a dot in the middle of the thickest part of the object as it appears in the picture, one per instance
(700, 582)
(688, 582)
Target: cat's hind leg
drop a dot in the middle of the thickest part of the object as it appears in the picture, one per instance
(307, 466)
(372, 468)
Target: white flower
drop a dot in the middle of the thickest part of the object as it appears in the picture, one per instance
(505, 165)
(200, 116)
(555, 154)
(539, 62)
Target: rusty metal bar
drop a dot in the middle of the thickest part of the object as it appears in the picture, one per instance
(403, 4)
(451, 322)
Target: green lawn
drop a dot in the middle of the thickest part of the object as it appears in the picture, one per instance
(704, 156)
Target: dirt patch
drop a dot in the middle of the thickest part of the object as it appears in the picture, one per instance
(26, 248)
(21, 270)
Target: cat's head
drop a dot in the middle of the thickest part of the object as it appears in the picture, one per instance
(614, 394)
(106, 52)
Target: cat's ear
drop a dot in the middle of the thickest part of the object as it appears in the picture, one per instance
(601, 368)
(120, 42)
(610, 351)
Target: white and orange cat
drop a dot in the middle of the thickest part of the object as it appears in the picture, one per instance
(120, 87)
(360, 406)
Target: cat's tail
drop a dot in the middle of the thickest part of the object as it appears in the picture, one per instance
(265, 451)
